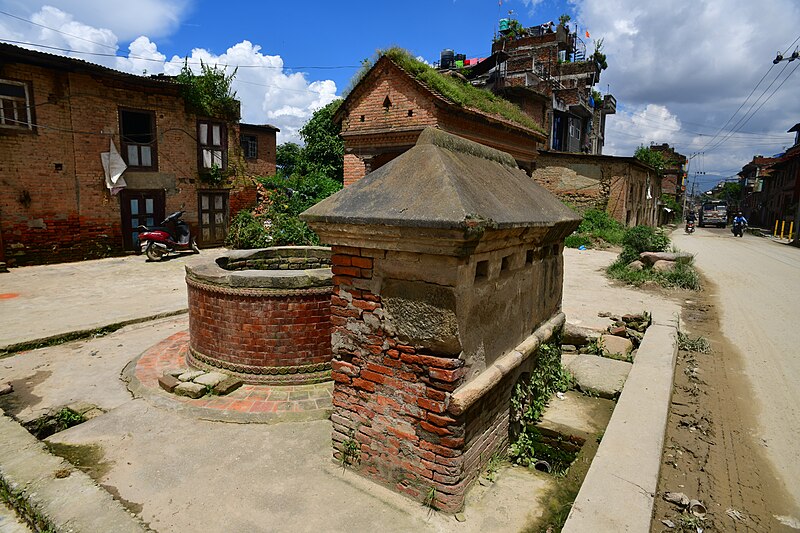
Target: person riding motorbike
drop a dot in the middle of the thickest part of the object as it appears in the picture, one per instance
(690, 221)
(739, 223)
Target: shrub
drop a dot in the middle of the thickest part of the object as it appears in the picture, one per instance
(640, 239)
(597, 225)
(247, 231)
(684, 276)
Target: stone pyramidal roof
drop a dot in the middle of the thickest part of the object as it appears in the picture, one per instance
(446, 182)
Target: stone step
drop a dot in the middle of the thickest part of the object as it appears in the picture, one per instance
(575, 418)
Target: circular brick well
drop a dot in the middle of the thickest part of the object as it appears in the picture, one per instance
(263, 315)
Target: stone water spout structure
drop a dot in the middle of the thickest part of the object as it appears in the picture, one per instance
(448, 271)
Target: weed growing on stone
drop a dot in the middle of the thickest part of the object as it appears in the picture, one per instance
(595, 347)
(493, 466)
(697, 345)
(430, 499)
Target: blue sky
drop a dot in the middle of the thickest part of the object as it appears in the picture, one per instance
(679, 70)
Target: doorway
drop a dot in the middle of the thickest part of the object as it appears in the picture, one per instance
(213, 214)
(144, 207)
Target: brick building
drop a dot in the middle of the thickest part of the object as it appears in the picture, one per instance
(674, 174)
(753, 178)
(546, 72)
(625, 187)
(386, 111)
(60, 114)
(782, 187)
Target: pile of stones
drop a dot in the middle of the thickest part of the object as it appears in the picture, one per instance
(620, 340)
(660, 261)
(196, 383)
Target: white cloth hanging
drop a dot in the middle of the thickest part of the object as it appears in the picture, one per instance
(113, 166)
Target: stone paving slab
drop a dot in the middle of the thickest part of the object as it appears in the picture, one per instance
(599, 375)
(248, 403)
(577, 416)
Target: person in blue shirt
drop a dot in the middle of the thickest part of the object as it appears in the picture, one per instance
(739, 219)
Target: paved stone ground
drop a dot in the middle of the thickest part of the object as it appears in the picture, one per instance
(179, 470)
(248, 403)
(9, 522)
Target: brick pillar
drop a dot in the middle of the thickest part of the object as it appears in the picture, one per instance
(390, 397)
(354, 169)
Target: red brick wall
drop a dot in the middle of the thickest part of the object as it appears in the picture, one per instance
(263, 336)
(391, 400)
(71, 214)
(264, 164)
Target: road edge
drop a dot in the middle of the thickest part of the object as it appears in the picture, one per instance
(619, 490)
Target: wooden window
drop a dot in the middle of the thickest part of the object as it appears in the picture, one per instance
(138, 139)
(16, 108)
(213, 211)
(249, 146)
(212, 141)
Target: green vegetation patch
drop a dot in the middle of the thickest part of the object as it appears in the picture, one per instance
(684, 276)
(456, 91)
(597, 228)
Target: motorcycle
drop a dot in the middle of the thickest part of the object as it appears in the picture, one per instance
(738, 229)
(689, 229)
(172, 236)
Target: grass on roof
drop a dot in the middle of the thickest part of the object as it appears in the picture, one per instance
(453, 89)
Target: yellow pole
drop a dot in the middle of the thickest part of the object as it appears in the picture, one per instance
(775, 233)
(791, 230)
(783, 225)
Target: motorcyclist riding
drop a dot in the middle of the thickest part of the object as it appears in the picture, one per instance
(739, 223)
(690, 221)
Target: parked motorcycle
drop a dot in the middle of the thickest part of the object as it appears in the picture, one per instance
(738, 229)
(689, 227)
(172, 236)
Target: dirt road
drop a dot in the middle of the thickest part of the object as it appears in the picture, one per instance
(755, 290)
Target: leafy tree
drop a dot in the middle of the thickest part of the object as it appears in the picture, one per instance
(324, 149)
(598, 54)
(287, 158)
(209, 93)
(650, 157)
(563, 20)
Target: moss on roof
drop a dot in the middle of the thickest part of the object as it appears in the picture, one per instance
(452, 89)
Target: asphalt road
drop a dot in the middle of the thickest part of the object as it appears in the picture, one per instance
(758, 292)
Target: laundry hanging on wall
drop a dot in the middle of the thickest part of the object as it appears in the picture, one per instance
(113, 166)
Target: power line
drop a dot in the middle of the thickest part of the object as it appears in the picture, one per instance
(58, 31)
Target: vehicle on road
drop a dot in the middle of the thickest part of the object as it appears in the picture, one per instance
(689, 227)
(172, 236)
(739, 225)
(714, 213)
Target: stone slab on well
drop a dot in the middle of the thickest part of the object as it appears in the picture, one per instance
(598, 375)
(212, 379)
(190, 375)
(192, 390)
(227, 385)
(168, 383)
(576, 416)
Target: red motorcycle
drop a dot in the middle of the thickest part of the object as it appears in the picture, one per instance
(173, 236)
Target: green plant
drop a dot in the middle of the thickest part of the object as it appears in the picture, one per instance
(66, 418)
(683, 276)
(595, 347)
(576, 241)
(493, 466)
(669, 201)
(597, 226)
(430, 499)
(599, 56)
(650, 157)
(214, 176)
(530, 398)
(209, 93)
(563, 20)
(350, 454)
(697, 345)
(640, 239)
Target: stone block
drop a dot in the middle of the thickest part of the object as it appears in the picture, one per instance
(168, 383)
(578, 335)
(598, 375)
(636, 265)
(190, 375)
(227, 385)
(651, 258)
(664, 266)
(192, 390)
(614, 345)
(177, 372)
(212, 379)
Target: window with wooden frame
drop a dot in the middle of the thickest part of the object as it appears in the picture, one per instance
(249, 146)
(16, 107)
(137, 131)
(212, 141)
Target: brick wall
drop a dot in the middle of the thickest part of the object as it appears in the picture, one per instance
(264, 336)
(391, 398)
(54, 205)
(264, 163)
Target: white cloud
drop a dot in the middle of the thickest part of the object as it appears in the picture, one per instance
(126, 19)
(269, 94)
(690, 65)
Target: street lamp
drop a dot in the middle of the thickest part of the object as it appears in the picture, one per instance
(779, 57)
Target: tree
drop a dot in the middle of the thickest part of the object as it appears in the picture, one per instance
(324, 149)
(650, 157)
(209, 93)
(287, 158)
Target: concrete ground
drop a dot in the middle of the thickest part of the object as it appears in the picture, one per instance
(179, 473)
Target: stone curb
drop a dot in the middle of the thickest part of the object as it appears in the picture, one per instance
(164, 401)
(61, 338)
(33, 480)
(619, 490)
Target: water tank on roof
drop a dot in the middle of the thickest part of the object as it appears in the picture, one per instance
(461, 57)
(504, 23)
(447, 58)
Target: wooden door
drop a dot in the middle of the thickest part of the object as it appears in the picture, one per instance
(139, 208)
(213, 215)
